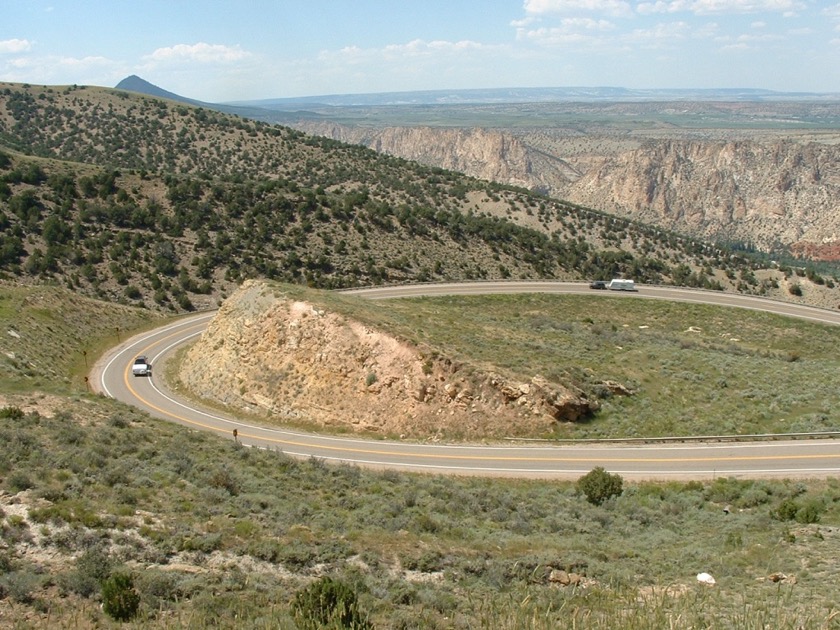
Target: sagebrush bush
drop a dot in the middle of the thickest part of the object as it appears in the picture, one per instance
(805, 512)
(20, 585)
(12, 413)
(92, 568)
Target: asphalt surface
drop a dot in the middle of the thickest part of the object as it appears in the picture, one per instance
(801, 458)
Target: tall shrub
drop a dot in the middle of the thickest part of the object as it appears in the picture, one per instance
(119, 599)
(598, 485)
(328, 603)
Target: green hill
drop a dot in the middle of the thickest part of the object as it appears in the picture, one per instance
(152, 202)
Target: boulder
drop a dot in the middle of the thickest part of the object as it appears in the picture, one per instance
(706, 578)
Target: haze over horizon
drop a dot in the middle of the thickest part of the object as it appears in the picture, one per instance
(218, 51)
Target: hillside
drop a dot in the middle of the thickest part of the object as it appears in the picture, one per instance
(169, 205)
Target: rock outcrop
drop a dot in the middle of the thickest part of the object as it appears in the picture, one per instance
(286, 359)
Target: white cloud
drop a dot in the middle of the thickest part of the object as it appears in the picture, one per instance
(587, 24)
(199, 53)
(558, 37)
(52, 70)
(600, 34)
(411, 50)
(527, 21)
(416, 64)
(663, 6)
(705, 31)
(544, 7)
(15, 45)
(661, 34)
(702, 7)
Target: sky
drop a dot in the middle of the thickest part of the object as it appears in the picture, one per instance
(221, 51)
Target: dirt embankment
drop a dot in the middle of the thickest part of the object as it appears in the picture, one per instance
(277, 357)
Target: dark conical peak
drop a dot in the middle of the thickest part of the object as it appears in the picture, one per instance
(134, 83)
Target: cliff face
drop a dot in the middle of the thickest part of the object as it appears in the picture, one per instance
(770, 192)
(288, 360)
(481, 153)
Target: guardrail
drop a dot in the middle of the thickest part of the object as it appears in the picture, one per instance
(755, 437)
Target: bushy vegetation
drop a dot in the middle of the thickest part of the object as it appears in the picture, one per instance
(168, 206)
(113, 489)
(53, 336)
(119, 599)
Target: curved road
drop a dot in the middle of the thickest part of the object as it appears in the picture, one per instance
(802, 458)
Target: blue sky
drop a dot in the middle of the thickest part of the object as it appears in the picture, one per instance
(219, 51)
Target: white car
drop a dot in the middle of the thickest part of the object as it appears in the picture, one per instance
(141, 367)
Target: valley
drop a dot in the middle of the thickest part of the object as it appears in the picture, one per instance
(761, 175)
(121, 212)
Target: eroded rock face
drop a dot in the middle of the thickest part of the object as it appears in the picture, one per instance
(767, 193)
(279, 357)
(770, 193)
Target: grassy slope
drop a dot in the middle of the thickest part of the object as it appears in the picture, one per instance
(214, 533)
(51, 335)
(210, 531)
(694, 369)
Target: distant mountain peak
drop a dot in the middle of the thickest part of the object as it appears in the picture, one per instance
(134, 83)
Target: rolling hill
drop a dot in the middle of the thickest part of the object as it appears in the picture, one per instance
(170, 205)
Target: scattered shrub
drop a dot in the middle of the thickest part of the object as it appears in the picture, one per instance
(117, 421)
(810, 512)
(120, 600)
(19, 481)
(92, 568)
(598, 485)
(12, 413)
(328, 602)
(223, 478)
(787, 510)
(19, 586)
(805, 513)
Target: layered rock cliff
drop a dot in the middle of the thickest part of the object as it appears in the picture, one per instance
(775, 194)
(772, 193)
(285, 359)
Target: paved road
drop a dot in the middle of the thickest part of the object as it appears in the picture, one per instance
(800, 458)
